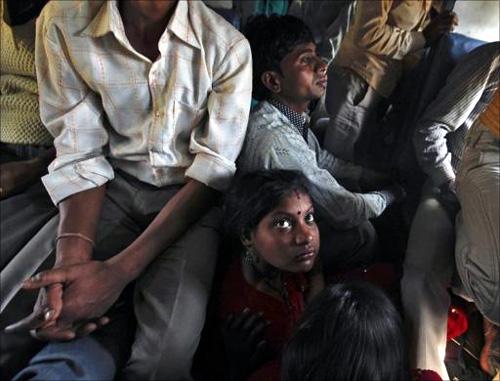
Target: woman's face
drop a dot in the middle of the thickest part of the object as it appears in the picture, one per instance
(287, 237)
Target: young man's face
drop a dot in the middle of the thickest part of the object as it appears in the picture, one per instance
(304, 74)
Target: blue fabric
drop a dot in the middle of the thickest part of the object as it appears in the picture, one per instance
(269, 7)
(77, 360)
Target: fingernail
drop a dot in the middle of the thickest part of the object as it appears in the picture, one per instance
(48, 314)
(34, 278)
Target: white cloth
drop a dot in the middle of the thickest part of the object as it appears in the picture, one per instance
(183, 115)
(428, 268)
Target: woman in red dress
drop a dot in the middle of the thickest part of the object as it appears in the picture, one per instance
(271, 218)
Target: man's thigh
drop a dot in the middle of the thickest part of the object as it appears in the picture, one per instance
(478, 229)
(431, 241)
(347, 249)
(351, 104)
(21, 216)
(170, 302)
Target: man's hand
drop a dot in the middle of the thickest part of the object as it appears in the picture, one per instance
(90, 288)
(87, 289)
(442, 23)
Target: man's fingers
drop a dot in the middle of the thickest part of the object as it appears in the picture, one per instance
(34, 320)
(102, 321)
(45, 278)
(86, 329)
(53, 333)
(54, 295)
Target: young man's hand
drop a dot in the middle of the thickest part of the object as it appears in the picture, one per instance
(442, 23)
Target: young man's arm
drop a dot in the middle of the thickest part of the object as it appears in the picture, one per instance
(341, 208)
(373, 33)
(455, 104)
(344, 170)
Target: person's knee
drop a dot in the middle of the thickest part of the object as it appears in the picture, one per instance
(81, 359)
(164, 346)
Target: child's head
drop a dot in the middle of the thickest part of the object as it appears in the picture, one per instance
(285, 63)
(350, 332)
(271, 214)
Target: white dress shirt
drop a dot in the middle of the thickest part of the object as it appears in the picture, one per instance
(108, 106)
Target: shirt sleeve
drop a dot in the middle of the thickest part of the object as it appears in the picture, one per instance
(341, 208)
(336, 167)
(73, 115)
(217, 143)
(453, 106)
(372, 32)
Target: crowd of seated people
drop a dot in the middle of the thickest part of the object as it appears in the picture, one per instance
(160, 172)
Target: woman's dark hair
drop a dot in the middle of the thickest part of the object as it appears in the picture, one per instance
(253, 195)
(271, 39)
(350, 332)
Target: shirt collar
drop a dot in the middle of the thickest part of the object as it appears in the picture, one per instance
(105, 21)
(108, 19)
(296, 118)
(180, 23)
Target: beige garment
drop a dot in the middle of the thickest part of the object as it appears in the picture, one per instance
(383, 33)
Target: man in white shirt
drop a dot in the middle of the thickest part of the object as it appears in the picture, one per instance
(148, 102)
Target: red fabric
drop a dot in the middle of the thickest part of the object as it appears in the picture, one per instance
(425, 375)
(237, 294)
(457, 322)
(384, 275)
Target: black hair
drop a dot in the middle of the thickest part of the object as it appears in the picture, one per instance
(271, 39)
(351, 331)
(255, 194)
(22, 11)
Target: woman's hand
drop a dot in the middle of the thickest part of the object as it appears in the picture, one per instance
(244, 343)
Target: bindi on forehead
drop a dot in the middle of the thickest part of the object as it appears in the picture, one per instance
(298, 196)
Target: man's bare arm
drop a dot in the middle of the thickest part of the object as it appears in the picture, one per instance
(92, 287)
(186, 207)
(79, 214)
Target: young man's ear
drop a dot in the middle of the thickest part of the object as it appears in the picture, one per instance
(271, 81)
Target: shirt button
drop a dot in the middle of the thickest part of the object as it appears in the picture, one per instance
(157, 114)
